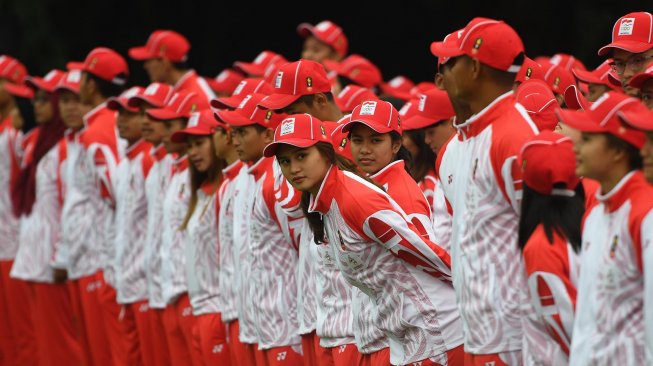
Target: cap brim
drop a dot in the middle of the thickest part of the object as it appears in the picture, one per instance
(140, 53)
(181, 136)
(387, 89)
(331, 65)
(630, 46)
(228, 102)
(20, 91)
(75, 65)
(417, 122)
(586, 76)
(579, 120)
(614, 80)
(59, 88)
(38, 83)
(371, 124)
(305, 29)
(439, 49)
(233, 118)
(271, 149)
(574, 99)
(639, 80)
(162, 114)
(278, 101)
(115, 104)
(640, 121)
(249, 68)
(137, 100)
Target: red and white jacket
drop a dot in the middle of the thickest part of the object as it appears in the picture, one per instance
(87, 217)
(156, 184)
(612, 306)
(306, 281)
(226, 266)
(276, 224)
(243, 207)
(482, 182)
(552, 270)
(131, 223)
(10, 156)
(193, 83)
(427, 186)
(380, 251)
(201, 251)
(40, 231)
(173, 239)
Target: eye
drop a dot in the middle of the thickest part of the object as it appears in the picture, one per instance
(283, 161)
(301, 156)
(377, 140)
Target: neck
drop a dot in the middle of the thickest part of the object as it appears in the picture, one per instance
(6, 109)
(231, 156)
(97, 99)
(612, 179)
(175, 75)
(333, 113)
(486, 95)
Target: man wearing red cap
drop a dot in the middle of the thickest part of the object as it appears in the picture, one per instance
(11, 71)
(631, 47)
(644, 82)
(354, 69)
(323, 41)
(165, 55)
(88, 213)
(482, 183)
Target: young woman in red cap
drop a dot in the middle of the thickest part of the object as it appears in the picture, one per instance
(370, 236)
(612, 307)
(202, 247)
(549, 235)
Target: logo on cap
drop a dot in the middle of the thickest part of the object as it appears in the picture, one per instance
(93, 63)
(277, 80)
(613, 247)
(74, 76)
(477, 45)
(194, 120)
(368, 108)
(309, 81)
(268, 115)
(244, 101)
(287, 126)
(152, 89)
(556, 82)
(240, 87)
(322, 130)
(626, 26)
(529, 72)
(343, 143)
(162, 50)
(422, 102)
(193, 107)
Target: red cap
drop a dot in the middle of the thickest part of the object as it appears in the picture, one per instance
(70, 81)
(540, 103)
(226, 81)
(409, 109)
(249, 113)
(166, 44)
(357, 69)
(327, 32)
(433, 106)
(548, 159)
(529, 70)
(122, 101)
(451, 40)
(639, 119)
(156, 94)
(245, 87)
(12, 69)
(181, 105)
(601, 117)
(574, 99)
(353, 95)
(106, 64)
(492, 42)
(633, 32)
(19, 90)
(559, 79)
(421, 88)
(567, 62)
(378, 115)
(638, 80)
(199, 123)
(300, 130)
(47, 83)
(398, 87)
(600, 75)
(294, 80)
(339, 138)
(260, 63)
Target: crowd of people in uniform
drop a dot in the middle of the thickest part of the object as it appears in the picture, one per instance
(308, 213)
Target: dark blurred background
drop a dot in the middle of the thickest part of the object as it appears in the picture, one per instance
(394, 34)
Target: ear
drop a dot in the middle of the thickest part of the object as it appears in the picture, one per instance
(396, 145)
(269, 135)
(320, 100)
(475, 68)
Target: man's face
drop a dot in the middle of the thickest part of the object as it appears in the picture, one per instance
(156, 70)
(628, 64)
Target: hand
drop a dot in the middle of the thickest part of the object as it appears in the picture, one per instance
(60, 275)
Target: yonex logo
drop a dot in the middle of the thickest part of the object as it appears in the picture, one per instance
(186, 311)
(74, 76)
(342, 348)
(218, 348)
(244, 101)
(422, 102)
(223, 75)
(281, 356)
(194, 120)
(152, 89)
(277, 80)
(240, 87)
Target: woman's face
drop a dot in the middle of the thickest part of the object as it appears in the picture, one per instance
(42, 107)
(129, 125)
(71, 109)
(222, 142)
(372, 151)
(305, 168)
(170, 127)
(438, 135)
(200, 152)
(593, 156)
(410, 145)
(647, 157)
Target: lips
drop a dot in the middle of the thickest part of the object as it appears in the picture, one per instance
(365, 161)
(298, 180)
